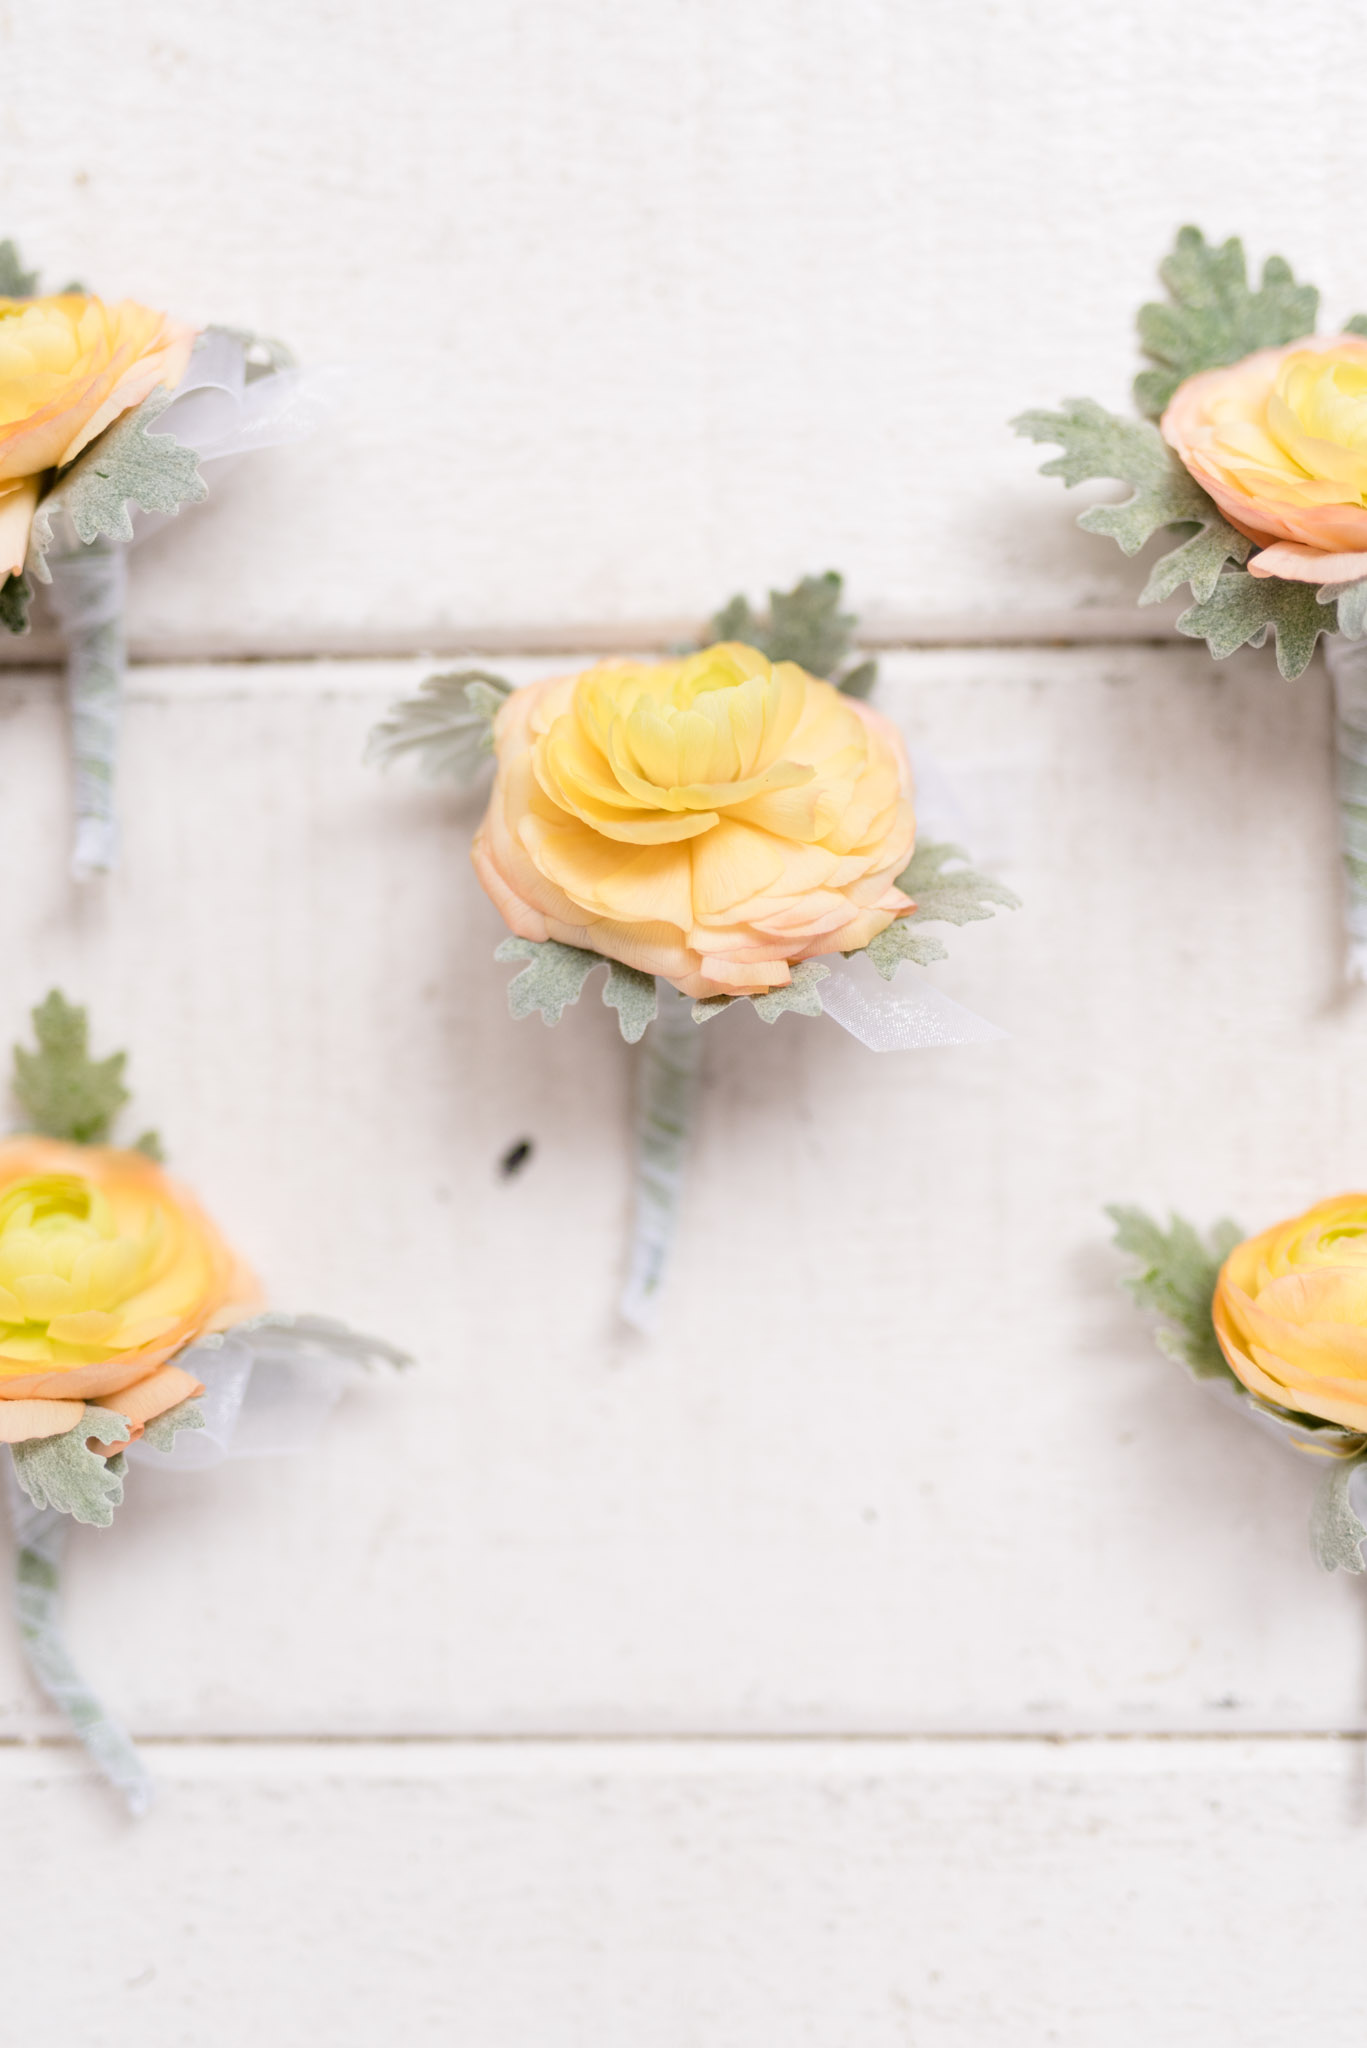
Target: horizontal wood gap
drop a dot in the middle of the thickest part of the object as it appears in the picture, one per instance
(1099, 627)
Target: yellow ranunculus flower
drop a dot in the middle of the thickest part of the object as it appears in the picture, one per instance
(711, 820)
(69, 365)
(1279, 441)
(1290, 1312)
(107, 1268)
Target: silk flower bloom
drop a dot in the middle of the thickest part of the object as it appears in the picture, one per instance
(1279, 441)
(107, 1269)
(69, 366)
(1290, 1311)
(710, 820)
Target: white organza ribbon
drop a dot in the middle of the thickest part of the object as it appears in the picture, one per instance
(1347, 661)
(269, 1385)
(222, 415)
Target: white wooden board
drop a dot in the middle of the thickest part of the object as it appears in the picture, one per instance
(648, 304)
(903, 1457)
(604, 1896)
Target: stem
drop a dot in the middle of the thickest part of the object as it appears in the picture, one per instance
(667, 1090)
(88, 594)
(40, 1540)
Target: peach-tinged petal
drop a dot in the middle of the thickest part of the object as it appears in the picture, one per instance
(161, 1390)
(18, 503)
(1296, 563)
(22, 1422)
(710, 820)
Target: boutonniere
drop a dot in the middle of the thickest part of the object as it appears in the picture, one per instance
(1252, 456)
(735, 826)
(130, 1335)
(1277, 1324)
(109, 415)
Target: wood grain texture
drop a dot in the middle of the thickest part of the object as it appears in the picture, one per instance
(601, 1897)
(649, 304)
(903, 1457)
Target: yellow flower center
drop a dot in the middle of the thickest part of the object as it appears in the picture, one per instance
(657, 753)
(67, 1275)
(43, 343)
(1307, 443)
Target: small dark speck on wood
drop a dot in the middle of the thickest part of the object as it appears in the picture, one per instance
(515, 1158)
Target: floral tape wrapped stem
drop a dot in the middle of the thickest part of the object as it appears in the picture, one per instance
(1347, 660)
(666, 1095)
(88, 586)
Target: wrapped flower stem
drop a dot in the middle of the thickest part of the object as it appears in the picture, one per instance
(88, 585)
(40, 1542)
(666, 1095)
(1347, 661)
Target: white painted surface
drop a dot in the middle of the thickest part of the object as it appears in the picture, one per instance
(648, 304)
(1205, 1896)
(903, 1458)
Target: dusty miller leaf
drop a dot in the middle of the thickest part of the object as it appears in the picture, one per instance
(15, 281)
(1241, 608)
(1350, 603)
(887, 949)
(633, 996)
(554, 978)
(162, 1431)
(449, 725)
(62, 1091)
(800, 994)
(1178, 1282)
(125, 466)
(1335, 1530)
(1097, 443)
(950, 895)
(943, 895)
(15, 593)
(805, 625)
(62, 1472)
(1212, 317)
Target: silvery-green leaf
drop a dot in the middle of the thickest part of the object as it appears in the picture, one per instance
(124, 466)
(15, 595)
(710, 1006)
(805, 625)
(62, 1472)
(887, 949)
(162, 1431)
(1241, 609)
(448, 725)
(553, 978)
(859, 680)
(1336, 1534)
(633, 996)
(946, 894)
(800, 994)
(15, 281)
(1350, 601)
(1212, 317)
(1178, 1281)
(1101, 444)
(61, 1090)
